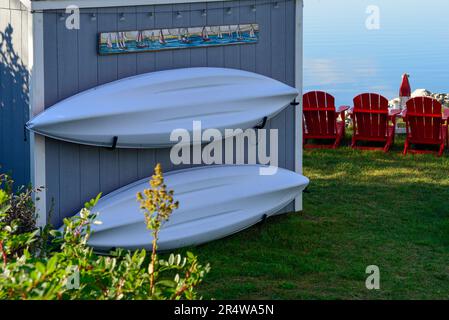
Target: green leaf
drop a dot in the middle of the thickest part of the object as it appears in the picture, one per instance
(178, 259)
(93, 202)
(51, 264)
(40, 267)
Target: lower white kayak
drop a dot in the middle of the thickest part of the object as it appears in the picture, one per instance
(215, 202)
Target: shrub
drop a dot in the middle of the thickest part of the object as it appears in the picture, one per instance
(20, 206)
(76, 272)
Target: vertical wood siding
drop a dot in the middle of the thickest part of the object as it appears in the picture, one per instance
(14, 80)
(77, 173)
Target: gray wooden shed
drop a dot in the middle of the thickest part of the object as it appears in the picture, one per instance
(43, 62)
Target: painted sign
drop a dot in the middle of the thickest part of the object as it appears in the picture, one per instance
(176, 38)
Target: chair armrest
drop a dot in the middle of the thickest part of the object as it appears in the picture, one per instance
(340, 112)
(343, 109)
(446, 114)
(403, 113)
(394, 112)
(351, 110)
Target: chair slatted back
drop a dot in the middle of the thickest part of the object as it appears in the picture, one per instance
(319, 114)
(371, 115)
(424, 119)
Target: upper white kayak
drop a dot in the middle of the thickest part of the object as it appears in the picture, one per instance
(142, 111)
(214, 202)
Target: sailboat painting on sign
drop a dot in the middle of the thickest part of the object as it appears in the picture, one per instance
(176, 38)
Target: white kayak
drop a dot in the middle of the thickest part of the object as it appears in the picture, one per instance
(142, 111)
(215, 202)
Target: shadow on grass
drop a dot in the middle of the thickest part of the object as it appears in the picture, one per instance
(364, 208)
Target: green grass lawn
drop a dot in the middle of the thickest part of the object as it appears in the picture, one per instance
(364, 208)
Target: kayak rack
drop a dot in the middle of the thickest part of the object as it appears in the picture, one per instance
(262, 125)
(114, 143)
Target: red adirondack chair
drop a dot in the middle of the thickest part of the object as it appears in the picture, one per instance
(371, 121)
(425, 124)
(320, 119)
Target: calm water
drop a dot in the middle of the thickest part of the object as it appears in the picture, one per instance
(343, 57)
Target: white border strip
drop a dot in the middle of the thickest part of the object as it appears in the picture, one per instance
(62, 4)
(37, 103)
(299, 84)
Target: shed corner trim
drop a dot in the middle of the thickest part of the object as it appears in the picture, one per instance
(37, 104)
(299, 85)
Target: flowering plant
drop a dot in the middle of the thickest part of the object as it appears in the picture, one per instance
(74, 271)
